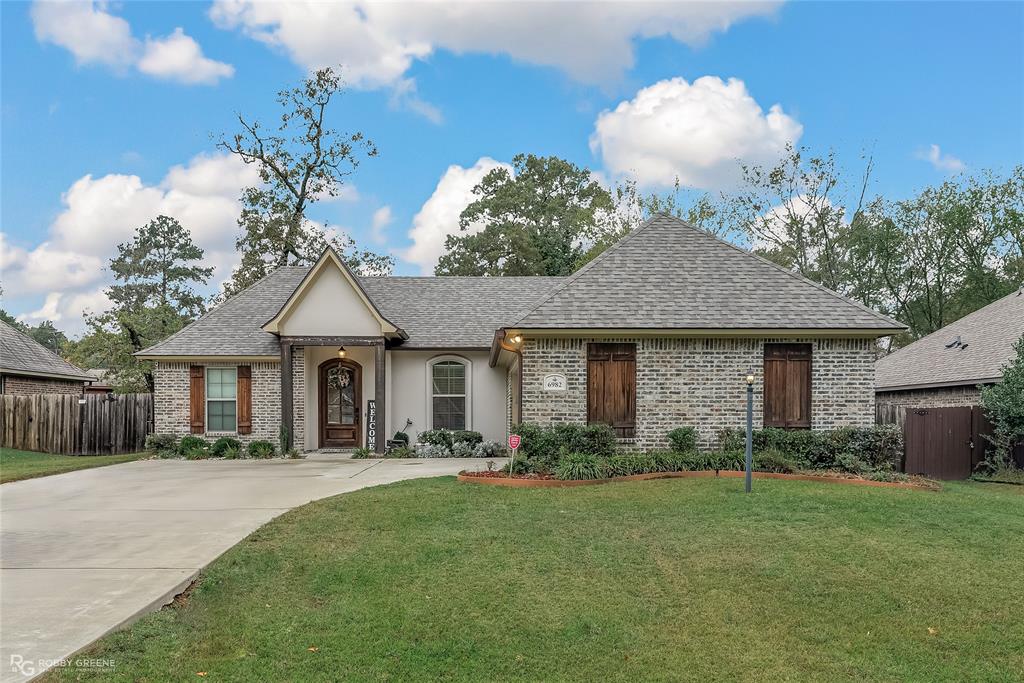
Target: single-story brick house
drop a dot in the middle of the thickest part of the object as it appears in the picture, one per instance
(947, 368)
(28, 367)
(657, 332)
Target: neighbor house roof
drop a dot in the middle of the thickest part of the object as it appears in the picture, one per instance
(667, 274)
(22, 355)
(436, 312)
(989, 334)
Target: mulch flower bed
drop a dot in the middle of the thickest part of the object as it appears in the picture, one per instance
(496, 478)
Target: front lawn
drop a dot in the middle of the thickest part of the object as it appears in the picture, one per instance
(15, 465)
(685, 579)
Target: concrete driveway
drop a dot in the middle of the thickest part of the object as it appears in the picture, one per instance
(82, 553)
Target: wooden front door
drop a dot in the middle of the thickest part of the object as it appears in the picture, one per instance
(340, 398)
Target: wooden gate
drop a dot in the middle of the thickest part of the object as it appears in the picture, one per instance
(939, 442)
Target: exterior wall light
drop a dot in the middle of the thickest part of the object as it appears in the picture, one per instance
(517, 339)
(342, 352)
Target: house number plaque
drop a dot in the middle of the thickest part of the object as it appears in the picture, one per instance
(555, 383)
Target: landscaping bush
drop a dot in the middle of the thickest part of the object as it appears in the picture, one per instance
(489, 449)
(543, 447)
(164, 445)
(362, 453)
(466, 436)
(437, 437)
(846, 448)
(581, 466)
(261, 449)
(400, 452)
(462, 449)
(191, 443)
(772, 460)
(401, 436)
(196, 454)
(727, 460)
(221, 445)
(429, 450)
(683, 439)
(630, 464)
(231, 453)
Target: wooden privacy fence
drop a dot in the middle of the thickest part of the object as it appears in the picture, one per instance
(59, 423)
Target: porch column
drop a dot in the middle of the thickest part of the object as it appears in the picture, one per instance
(286, 391)
(379, 395)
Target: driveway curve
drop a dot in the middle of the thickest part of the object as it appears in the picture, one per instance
(85, 552)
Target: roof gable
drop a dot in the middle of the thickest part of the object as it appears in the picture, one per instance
(989, 334)
(317, 303)
(20, 353)
(667, 274)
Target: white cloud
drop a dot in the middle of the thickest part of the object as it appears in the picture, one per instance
(378, 42)
(946, 163)
(100, 213)
(439, 215)
(94, 36)
(179, 58)
(694, 131)
(68, 311)
(381, 220)
(87, 31)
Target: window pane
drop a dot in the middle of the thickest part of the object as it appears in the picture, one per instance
(449, 377)
(221, 382)
(449, 412)
(221, 415)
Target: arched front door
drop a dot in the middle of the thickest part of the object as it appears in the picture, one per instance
(340, 398)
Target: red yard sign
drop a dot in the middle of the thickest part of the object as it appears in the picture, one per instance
(514, 440)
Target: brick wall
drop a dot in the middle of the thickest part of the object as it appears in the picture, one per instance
(19, 385)
(299, 397)
(944, 397)
(171, 399)
(699, 382)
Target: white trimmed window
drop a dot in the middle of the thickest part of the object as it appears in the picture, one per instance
(448, 382)
(221, 399)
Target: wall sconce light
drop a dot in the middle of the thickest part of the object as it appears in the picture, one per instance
(342, 352)
(517, 339)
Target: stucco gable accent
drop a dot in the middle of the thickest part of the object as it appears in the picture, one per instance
(327, 260)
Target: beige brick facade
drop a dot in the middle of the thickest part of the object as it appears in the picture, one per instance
(171, 400)
(699, 383)
(20, 385)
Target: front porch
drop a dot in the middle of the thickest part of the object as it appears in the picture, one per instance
(335, 396)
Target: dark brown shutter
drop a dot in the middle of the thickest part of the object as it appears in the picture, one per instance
(196, 399)
(244, 399)
(611, 386)
(787, 386)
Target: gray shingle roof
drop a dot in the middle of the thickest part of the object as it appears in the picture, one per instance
(669, 274)
(448, 312)
(19, 353)
(989, 332)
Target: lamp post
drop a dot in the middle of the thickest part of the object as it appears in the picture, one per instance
(750, 426)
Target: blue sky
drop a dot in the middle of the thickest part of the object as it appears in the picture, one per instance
(108, 111)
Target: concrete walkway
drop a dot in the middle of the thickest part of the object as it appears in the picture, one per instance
(82, 553)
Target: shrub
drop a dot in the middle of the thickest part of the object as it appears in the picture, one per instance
(231, 453)
(462, 449)
(261, 449)
(867, 448)
(466, 436)
(727, 460)
(222, 444)
(629, 464)
(162, 444)
(196, 454)
(683, 439)
(489, 449)
(1004, 406)
(581, 466)
(429, 450)
(362, 453)
(191, 443)
(401, 436)
(401, 452)
(544, 447)
(437, 437)
(772, 460)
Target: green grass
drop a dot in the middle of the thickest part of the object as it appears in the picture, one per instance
(16, 465)
(685, 579)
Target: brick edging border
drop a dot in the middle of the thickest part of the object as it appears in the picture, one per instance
(700, 474)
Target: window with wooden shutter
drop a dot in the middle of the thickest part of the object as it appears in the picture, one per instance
(196, 399)
(611, 386)
(787, 386)
(244, 393)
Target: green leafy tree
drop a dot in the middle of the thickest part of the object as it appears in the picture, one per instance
(300, 161)
(153, 297)
(1004, 405)
(47, 334)
(535, 220)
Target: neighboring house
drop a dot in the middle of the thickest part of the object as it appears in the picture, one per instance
(99, 384)
(946, 368)
(28, 367)
(656, 333)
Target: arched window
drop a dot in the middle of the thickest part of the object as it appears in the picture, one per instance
(448, 383)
